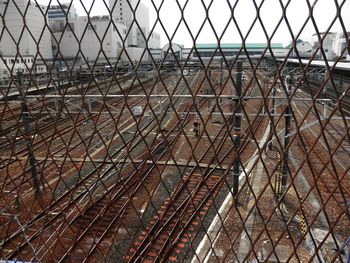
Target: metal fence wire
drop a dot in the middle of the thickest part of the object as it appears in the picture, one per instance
(119, 143)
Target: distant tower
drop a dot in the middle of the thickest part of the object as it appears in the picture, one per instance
(58, 13)
(123, 12)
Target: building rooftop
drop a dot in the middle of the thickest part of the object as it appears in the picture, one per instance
(320, 63)
(51, 7)
(239, 45)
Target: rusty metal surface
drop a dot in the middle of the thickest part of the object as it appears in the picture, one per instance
(241, 158)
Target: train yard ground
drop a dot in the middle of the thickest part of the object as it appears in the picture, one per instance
(142, 170)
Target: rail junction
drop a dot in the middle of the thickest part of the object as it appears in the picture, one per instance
(226, 163)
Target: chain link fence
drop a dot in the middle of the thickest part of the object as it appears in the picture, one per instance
(119, 143)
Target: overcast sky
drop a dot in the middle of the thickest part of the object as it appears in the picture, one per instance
(220, 15)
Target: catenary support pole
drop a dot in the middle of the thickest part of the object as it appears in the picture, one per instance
(27, 134)
(285, 169)
(272, 121)
(237, 127)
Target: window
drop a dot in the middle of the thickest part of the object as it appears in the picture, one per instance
(70, 27)
(90, 27)
(121, 13)
(12, 61)
(17, 60)
(5, 61)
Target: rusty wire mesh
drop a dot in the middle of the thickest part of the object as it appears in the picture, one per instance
(223, 153)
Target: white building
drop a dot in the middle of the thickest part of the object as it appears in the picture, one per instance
(23, 51)
(326, 45)
(139, 36)
(63, 20)
(122, 12)
(62, 12)
(154, 40)
(10, 65)
(334, 45)
(61, 17)
(12, 41)
(340, 45)
(97, 39)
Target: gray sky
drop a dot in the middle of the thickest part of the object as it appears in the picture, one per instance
(244, 13)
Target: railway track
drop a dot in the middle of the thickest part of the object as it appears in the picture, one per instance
(177, 221)
(166, 237)
(101, 221)
(333, 185)
(64, 205)
(326, 156)
(339, 139)
(332, 94)
(88, 180)
(53, 142)
(38, 106)
(96, 227)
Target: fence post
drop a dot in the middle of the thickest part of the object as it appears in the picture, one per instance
(27, 135)
(237, 127)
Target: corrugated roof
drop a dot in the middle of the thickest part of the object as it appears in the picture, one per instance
(239, 45)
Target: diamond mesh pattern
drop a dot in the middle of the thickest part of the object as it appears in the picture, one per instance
(114, 149)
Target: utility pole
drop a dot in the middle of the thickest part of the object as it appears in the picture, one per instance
(221, 71)
(221, 76)
(27, 135)
(287, 116)
(105, 75)
(209, 91)
(237, 127)
(59, 75)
